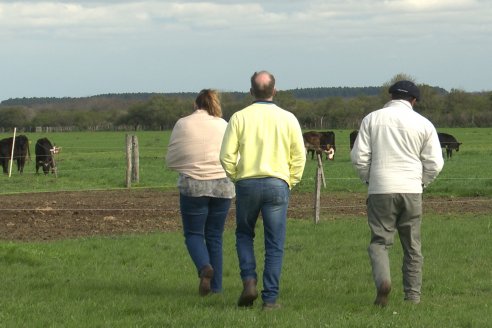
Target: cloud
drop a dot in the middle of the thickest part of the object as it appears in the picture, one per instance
(430, 5)
(45, 14)
(184, 45)
(330, 19)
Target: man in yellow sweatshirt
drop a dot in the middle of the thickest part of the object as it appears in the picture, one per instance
(263, 153)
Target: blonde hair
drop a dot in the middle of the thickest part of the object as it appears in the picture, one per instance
(208, 100)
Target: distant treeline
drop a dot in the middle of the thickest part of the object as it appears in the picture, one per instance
(116, 97)
(303, 93)
(345, 92)
(316, 108)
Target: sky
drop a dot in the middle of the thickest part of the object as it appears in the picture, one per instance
(87, 48)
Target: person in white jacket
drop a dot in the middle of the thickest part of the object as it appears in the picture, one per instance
(205, 193)
(397, 153)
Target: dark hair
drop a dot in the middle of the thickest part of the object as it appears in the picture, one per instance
(208, 100)
(262, 91)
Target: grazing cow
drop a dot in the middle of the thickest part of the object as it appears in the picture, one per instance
(44, 156)
(21, 152)
(352, 137)
(319, 142)
(449, 143)
(328, 140)
(312, 142)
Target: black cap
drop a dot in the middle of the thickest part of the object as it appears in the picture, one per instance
(406, 88)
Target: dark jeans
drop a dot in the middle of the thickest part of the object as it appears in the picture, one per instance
(270, 196)
(203, 226)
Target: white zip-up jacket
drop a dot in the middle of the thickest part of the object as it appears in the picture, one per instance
(397, 150)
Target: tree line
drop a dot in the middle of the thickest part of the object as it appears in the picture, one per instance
(315, 108)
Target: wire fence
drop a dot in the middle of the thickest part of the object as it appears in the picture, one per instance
(95, 164)
(117, 155)
(448, 202)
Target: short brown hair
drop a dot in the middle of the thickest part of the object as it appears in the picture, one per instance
(262, 91)
(208, 100)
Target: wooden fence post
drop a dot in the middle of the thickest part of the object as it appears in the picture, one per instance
(12, 154)
(132, 160)
(128, 161)
(53, 162)
(320, 176)
(135, 160)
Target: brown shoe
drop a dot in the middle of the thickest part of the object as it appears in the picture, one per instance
(206, 275)
(271, 306)
(383, 293)
(249, 293)
(412, 300)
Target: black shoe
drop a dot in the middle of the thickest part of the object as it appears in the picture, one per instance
(383, 293)
(206, 275)
(249, 294)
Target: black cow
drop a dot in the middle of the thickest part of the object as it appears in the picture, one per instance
(449, 143)
(352, 137)
(21, 152)
(44, 156)
(320, 142)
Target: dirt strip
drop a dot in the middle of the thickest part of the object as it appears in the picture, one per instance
(61, 215)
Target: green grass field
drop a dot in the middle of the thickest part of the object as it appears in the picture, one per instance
(97, 160)
(149, 280)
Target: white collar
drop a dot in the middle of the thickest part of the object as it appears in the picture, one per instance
(397, 102)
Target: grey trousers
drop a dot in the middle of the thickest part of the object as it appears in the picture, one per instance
(388, 213)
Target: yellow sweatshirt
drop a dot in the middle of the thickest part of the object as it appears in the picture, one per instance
(263, 140)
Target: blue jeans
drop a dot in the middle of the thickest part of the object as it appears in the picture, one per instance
(270, 196)
(203, 226)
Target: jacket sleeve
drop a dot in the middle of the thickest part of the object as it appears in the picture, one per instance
(173, 156)
(361, 153)
(229, 149)
(298, 155)
(431, 157)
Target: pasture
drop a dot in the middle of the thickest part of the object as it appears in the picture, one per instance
(148, 280)
(96, 161)
(130, 268)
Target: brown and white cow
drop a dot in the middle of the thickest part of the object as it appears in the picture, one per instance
(327, 141)
(316, 142)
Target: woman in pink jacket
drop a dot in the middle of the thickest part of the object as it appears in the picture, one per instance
(205, 191)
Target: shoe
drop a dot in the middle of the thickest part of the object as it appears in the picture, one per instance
(249, 293)
(412, 300)
(206, 275)
(271, 306)
(383, 293)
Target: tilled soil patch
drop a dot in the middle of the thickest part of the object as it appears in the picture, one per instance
(61, 215)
